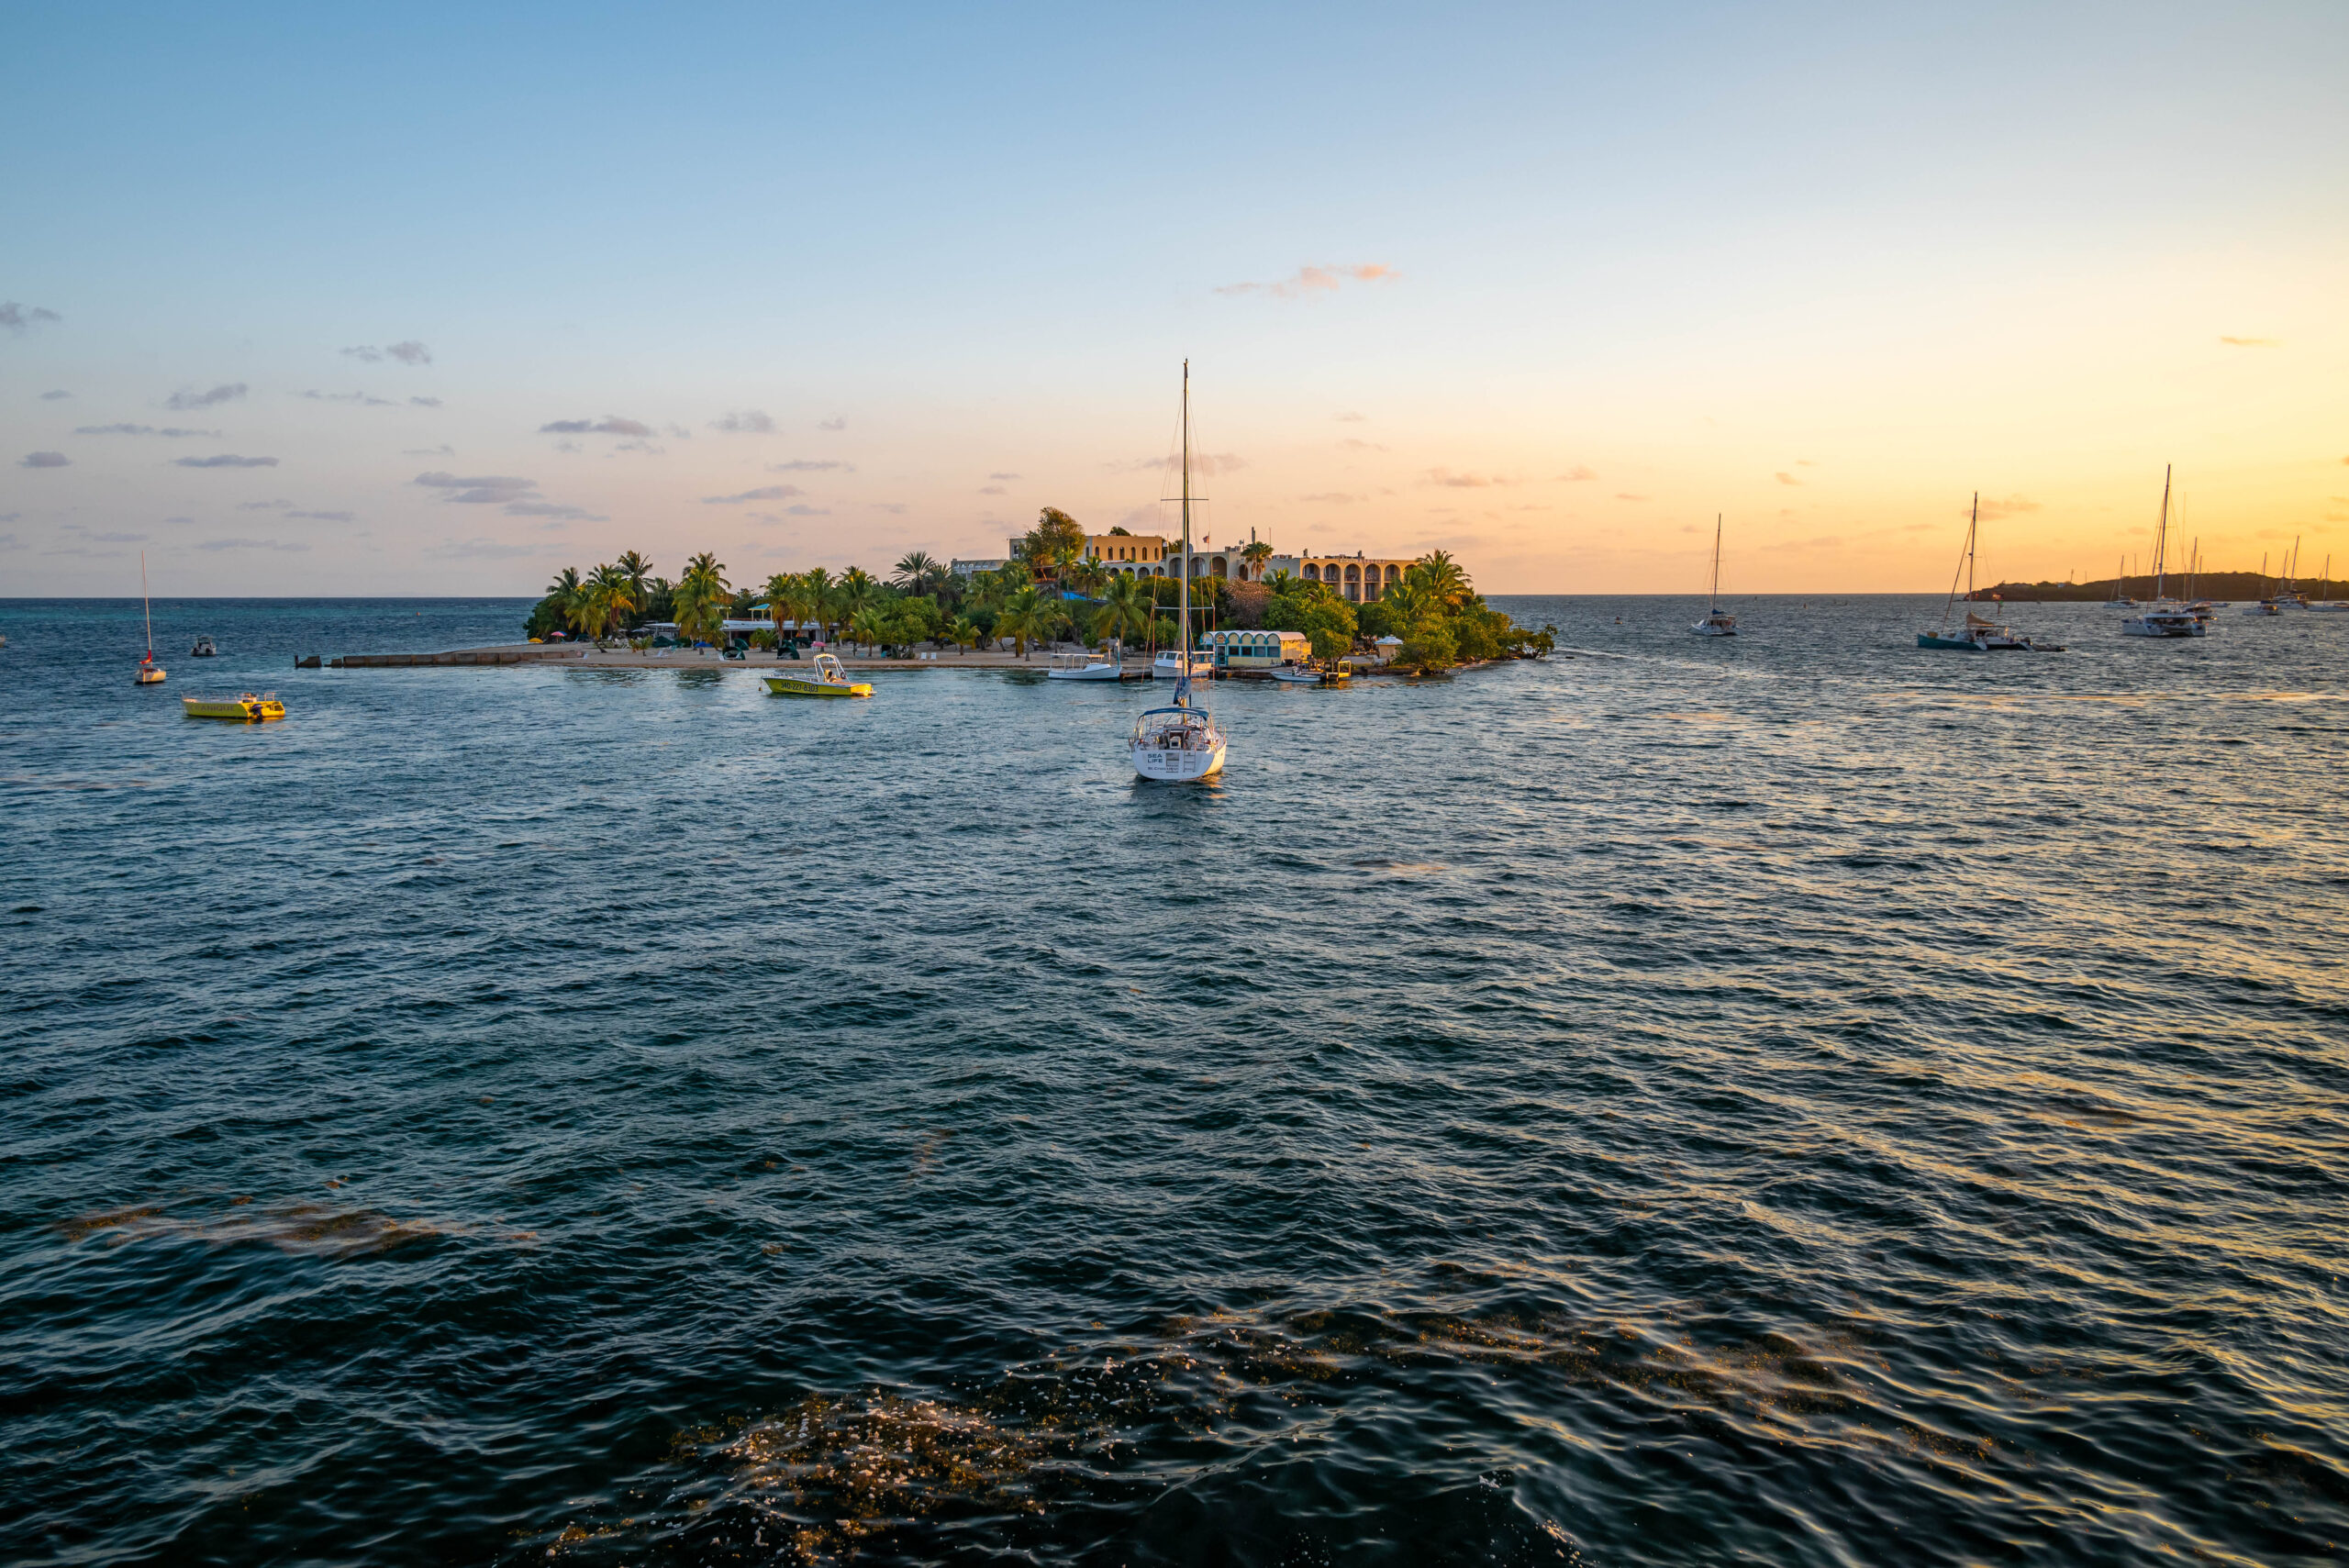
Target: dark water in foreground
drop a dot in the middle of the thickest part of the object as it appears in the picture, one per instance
(1797, 1100)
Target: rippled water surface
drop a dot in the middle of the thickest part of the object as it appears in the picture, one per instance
(1798, 1099)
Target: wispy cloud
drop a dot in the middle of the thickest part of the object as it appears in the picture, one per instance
(2252, 342)
(425, 402)
(1208, 463)
(896, 508)
(764, 493)
(1627, 496)
(327, 516)
(1333, 498)
(811, 465)
(553, 509)
(19, 317)
(1786, 478)
(142, 430)
(2011, 506)
(1356, 444)
(1580, 473)
(225, 459)
(484, 490)
(46, 460)
(1315, 279)
(408, 353)
(188, 397)
(264, 505)
(836, 422)
(485, 550)
(285, 547)
(609, 425)
(745, 422)
(54, 397)
(444, 450)
(1351, 417)
(360, 397)
(1455, 481)
(992, 490)
(807, 511)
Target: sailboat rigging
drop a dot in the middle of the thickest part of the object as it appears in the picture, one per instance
(2164, 617)
(149, 672)
(1977, 634)
(1717, 622)
(1179, 743)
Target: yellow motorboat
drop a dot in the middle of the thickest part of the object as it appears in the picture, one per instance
(245, 707)
(827, 680)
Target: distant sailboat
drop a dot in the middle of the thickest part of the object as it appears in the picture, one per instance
(1975, 634)
(2164, 617)
(1717, 622)
(149, 672)
(1180, 743)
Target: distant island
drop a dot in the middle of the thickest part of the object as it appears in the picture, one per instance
(1057, 582)
(2245, 585)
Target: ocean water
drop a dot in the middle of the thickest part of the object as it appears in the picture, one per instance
(1796, 1099)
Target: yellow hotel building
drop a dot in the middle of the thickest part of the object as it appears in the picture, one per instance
(1355, 577)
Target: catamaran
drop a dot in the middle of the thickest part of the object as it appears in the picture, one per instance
(1977, 634)
(1717, 622)
(1178, 743)
(149, 672)
(2163, 615)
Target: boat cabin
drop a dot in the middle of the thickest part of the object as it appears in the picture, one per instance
(1256, 649)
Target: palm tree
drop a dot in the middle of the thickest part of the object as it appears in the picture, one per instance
(858, 588)
(961, 633)
(1445, 578)
(1027, 617)
(782, 589)
(1281, 582)
(1088, 577)
(914, 569)
(702, 597)
(870, 626)
(638, 571)
(1129, 608)
(1255, 555)
(611, 596)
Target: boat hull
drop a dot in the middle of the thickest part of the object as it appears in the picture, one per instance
(236, 710)
(1954, 644)
(1178, 767)
(796, 686)
(1090, 672)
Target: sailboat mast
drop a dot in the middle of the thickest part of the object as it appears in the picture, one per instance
(1973, 525)
(1183, 592)
(1713, 600)
(146, 605)
(2160, 537)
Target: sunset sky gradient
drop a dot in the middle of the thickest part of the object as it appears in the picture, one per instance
(439, 299)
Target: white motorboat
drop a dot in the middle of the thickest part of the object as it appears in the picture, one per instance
(1717, 622)
(1291, 675)
(1084, 667)
(1180, 743)
(1173, 665)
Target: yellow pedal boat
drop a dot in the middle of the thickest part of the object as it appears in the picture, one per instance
(827, 680)
(244, 707)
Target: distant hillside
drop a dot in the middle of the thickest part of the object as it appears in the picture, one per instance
(2238, 586)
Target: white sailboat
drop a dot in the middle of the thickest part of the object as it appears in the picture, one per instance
(1179, 743)
(2163, 615)
(149, 672)
(1717, 622)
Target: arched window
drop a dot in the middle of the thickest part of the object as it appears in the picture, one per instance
(1312, 572)
(1352, 572)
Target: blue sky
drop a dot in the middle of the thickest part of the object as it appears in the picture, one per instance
(1546, 285)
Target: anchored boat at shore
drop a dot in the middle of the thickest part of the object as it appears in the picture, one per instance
(829, 679)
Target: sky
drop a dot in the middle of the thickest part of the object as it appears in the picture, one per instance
(439, 299)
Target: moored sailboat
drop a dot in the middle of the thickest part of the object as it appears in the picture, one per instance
(2163, 615)
(1717, 622)
(1179, 743)
(1975, 634)
(149, 672)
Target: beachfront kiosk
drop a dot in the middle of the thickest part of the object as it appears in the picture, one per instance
(1256, 649)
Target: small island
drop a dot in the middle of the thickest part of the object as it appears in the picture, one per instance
(1058, 585)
